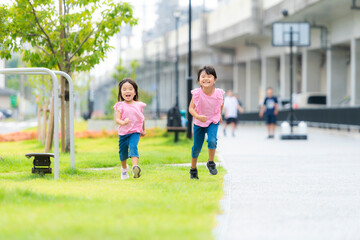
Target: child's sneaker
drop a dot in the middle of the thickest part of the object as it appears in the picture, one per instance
(211, 166)
(136, 171)
(125, 173)
(194, 173)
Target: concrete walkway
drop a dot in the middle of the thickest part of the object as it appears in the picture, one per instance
(15, 126)
(278, 189)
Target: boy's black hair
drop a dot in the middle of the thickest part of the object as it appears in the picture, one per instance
(133, 83)
(210, 70)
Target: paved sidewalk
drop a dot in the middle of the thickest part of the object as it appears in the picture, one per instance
(280, 189)
(15, 126)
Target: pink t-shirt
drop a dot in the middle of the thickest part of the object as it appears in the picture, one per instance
(209, 106)
(135, 114)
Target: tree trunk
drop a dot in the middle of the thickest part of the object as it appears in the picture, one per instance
(64, 112)
(50, 130)
(43, 135)
(39, 123)
(67, 109)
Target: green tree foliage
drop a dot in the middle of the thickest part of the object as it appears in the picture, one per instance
(13, 81)
(75, 40)
(121, 73)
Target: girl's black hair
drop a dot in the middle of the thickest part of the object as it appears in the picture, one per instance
(133, 83)
(210, 70)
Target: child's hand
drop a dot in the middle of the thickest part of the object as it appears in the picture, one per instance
(126, 121)
(143, 133)
(221, 120)
(202, 118)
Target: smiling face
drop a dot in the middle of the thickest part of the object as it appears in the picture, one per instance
(206, 80)
(128, 92)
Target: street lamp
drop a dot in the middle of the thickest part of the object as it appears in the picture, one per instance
(177, 14)
(189, 79)
(158, 81)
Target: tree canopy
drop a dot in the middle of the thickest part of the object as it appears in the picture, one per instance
(69, 35)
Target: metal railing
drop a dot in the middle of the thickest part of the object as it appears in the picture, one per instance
(322, 117)
(52, 74)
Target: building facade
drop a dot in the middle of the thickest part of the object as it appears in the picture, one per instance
(236, 39)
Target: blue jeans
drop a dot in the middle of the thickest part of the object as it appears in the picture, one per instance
(199, 136)
(128, 146)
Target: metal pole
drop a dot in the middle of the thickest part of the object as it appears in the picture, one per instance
(71, 112)
(177, 63)
(22, 71)
(158, 82)
(189, 79)
(291, 80)
(33, 71)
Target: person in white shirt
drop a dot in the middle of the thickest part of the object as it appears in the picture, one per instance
(231, 108)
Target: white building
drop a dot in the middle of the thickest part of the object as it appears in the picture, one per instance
(236, 39)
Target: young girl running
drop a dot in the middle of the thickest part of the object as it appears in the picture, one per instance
(129, 115)
(206, 107)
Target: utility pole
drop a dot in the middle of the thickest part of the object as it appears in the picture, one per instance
(177, 17)
(158, 82)
(189, 80)
(291, 81)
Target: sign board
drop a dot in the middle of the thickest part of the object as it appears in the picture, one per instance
(300, 34)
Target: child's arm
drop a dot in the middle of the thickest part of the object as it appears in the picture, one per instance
(225, 111)
(118, 119)
(222, 106)
(201, 118)
(240, 108)
(144, 131)
(276, 110)
(262, 110)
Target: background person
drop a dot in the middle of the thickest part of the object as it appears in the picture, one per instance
(231, 109)
(271, 109)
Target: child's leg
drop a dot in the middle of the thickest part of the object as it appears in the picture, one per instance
(199, 136)
(233, 125)
(123, 150)
(268, 128)
(133, 148)
(135, 161)
(212, 140)
(211, 154)
(123, 164)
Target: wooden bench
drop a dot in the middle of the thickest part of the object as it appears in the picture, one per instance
(176, 130)
(41, 162)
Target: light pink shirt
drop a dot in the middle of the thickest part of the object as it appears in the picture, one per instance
(135, 114)
(209, 106)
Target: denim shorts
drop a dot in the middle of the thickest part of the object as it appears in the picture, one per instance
(270, 119)
(199, 136)
(128, 146)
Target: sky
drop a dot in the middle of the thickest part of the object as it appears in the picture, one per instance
(145, 11)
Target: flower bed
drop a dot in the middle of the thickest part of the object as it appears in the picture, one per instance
(21, 136)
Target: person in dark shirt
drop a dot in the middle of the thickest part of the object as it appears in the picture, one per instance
(270, 109)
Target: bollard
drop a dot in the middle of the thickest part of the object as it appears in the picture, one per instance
(285, 128)
(302, 128)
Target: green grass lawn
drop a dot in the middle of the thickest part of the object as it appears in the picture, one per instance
(96, 204)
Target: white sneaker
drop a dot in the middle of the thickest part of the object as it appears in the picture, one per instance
(136, 171)
(125, 173)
